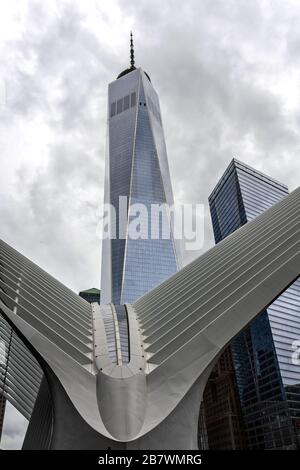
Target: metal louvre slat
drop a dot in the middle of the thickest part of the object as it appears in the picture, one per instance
(28, 275)
(71, 318)
(16, 370)
(23, 408)
(66, 344)
(20, 388)
(39, 303)
(31, 369)
(52, 283)
(19, 395)
(53, 317)
(7, 300)
(30, 281)
(20, 375)
(25, 271)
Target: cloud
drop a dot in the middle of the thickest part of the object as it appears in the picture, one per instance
(227, 74)
(14, 429)
(221, 72)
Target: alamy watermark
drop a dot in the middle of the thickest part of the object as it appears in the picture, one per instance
(183, 222)
(296, 352)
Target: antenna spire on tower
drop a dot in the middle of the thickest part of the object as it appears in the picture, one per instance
(131, 51)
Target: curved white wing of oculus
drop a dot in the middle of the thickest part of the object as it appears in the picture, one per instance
(132, 376)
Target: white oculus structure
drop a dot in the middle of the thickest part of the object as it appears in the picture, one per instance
(132, 375)
(95, 397)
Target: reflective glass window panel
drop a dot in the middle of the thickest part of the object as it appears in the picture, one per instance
(119, 106)
(126, 102)
(133, 99)
(112, 109)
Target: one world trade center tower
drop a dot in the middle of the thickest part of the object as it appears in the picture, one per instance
(136, 168)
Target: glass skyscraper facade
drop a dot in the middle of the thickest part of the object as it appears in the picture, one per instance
(268, 381)
(222, 408)
(137, 168)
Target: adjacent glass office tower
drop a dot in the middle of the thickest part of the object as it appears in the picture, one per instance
(268, 381)
(137, 168)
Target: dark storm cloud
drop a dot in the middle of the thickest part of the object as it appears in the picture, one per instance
(223, 71)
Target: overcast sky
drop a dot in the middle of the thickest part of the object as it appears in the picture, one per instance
(227, 73)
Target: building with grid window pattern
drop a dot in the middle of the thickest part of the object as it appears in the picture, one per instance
(267, 380)
(136, 168)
